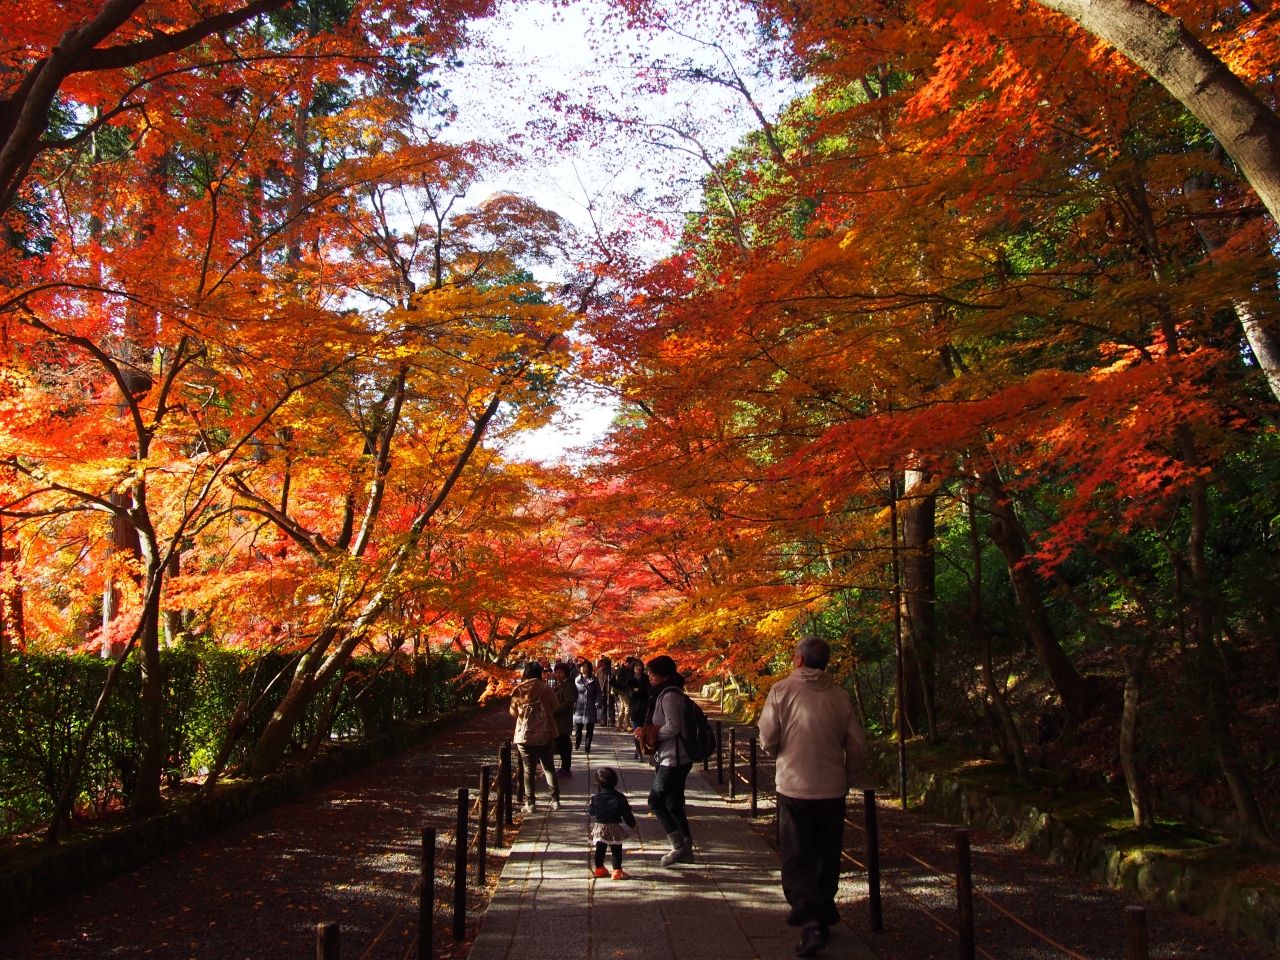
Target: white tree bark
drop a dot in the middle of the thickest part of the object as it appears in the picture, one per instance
(1162, 45)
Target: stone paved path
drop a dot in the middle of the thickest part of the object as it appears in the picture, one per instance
(726, 906)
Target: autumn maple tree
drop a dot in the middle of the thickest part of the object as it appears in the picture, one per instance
(970, 349)
(1013, 305)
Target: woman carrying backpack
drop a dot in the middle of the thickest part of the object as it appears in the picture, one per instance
(586, 712)
(533, 704)
(664, 732)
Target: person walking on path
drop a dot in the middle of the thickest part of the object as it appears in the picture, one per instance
(622, 690)
(604, 674)
(566, 697)
(810, 728)
(533, 704)
(586, 712)
(663, 733)
(638, 685)
(608, 810)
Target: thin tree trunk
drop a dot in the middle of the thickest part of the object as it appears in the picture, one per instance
(1162, 45)
(1009, 727)
(1138, 797)
(238, 722)
(326, 718)
(1006, 533)
(173, 618)
(62, 808)
(274, 739)
(1252, 821)
(1263, 342)
(919, 571)
(312, 673)
(146, 798)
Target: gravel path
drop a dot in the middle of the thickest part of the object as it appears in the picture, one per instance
(348, 852)
(1071, 909)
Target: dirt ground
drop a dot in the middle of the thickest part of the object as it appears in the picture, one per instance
(349, 852)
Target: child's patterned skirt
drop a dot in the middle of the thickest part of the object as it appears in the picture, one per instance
(609, 833)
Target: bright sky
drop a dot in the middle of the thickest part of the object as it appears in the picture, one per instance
(534, 50)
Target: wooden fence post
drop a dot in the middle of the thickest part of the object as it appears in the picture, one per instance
(1135, 933)
(964, 894)
(427, 894)
(482, 838)
(327, 941)
(733, 763)
(460, 867)
(876, 915)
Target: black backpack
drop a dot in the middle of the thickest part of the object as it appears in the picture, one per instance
(699, 739)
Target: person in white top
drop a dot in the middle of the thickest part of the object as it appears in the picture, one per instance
(810, 727)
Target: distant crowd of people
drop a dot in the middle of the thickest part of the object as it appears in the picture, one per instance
(808, 725)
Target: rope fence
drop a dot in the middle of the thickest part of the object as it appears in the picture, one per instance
(961, 881)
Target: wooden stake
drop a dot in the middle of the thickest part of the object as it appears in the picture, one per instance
(1135, 933)
(482, 839)
(876, 916)
(460, 867)
(327, 941)
(733, 763)
(427, 894)
(964, 894)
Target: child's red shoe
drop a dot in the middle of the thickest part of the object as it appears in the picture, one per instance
(600, 872)
(621, 875)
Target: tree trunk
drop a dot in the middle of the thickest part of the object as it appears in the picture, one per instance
(1253, 824)
(274, 739)
(1166, 49)
(173, 618)
(918, 577)
(1138, 798)
(1009, 727)
(234, 729)
(1006, 533)
(1263, 342)
(326, 718)
(146, 797)
(124, 540)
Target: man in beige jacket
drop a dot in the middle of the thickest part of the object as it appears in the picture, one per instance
(809, 725)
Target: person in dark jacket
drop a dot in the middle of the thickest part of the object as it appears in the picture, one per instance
(586, 712)
(608, 810)
(567, 697)
(638, 685)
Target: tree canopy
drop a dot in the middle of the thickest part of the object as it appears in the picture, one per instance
(970, 347)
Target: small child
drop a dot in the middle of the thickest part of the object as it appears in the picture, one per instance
(608, 809)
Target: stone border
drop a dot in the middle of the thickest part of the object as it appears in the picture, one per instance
(1180, 883)
(62, 871)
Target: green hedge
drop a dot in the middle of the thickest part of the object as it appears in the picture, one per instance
(46, 699)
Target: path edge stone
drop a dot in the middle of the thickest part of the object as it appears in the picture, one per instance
(55, 874)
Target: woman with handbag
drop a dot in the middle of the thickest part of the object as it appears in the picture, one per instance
(663, 736)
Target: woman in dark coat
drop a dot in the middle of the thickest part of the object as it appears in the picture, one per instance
(639, 685)
(586, 712)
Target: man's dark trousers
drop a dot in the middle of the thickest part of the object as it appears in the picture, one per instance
(811, 834)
